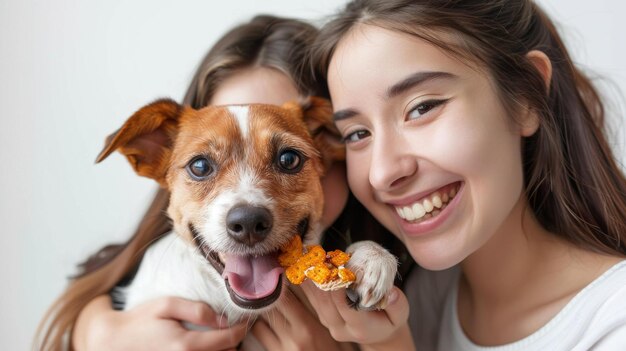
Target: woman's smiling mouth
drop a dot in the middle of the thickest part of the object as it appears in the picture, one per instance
(428, 206)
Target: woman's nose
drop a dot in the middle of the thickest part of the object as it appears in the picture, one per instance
(392, 162)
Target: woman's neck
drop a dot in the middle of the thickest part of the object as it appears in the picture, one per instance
(521, 278)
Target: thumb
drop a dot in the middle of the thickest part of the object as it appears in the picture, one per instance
(397, 307)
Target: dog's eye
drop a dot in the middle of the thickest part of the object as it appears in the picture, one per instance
(199, 168)
(290, 161)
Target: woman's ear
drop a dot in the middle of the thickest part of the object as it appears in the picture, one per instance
(542, 64)
(530, 121)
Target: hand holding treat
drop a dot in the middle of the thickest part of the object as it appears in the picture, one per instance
(325, 269)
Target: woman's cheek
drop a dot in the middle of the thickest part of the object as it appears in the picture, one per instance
(335, 189)
(453, 148)
(357, 168)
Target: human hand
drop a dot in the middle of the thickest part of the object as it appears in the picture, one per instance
(374, 330)
(293, 326)
(154, 325)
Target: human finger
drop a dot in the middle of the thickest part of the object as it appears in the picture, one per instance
(194, 312)
(217, 339)
(327, 312)
(397, 309)
(294, 310)
(396, 312)
(276, 320)
(265, 335)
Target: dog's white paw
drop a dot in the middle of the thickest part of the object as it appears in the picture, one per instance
(375, 269)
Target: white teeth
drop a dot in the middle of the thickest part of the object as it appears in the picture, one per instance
(418, 210)
(409, 215)
(399, 210)
(437, 201)
(432, 206)
(428, 206)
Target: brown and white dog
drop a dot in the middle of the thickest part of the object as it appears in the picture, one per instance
(243, 181)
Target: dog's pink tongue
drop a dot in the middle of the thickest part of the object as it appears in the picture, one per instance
(252, 277)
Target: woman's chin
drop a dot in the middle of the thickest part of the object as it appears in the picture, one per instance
(434, 260)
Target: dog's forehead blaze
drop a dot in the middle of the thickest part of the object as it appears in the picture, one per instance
(206, 130)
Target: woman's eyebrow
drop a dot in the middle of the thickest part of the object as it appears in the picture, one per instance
(416, 79)
(343, 114)
(402, 86)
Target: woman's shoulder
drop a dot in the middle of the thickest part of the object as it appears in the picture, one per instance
(602, 310)
(607, 293)
(594, 319)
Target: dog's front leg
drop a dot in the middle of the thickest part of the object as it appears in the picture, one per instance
(375, 270)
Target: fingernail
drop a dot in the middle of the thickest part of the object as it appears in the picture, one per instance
(352, 295)
(393, 296)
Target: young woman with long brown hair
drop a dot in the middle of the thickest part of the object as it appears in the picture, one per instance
(259, 61)
(473, 137)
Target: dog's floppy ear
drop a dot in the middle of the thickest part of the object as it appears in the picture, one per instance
(146, 139)
(317, 113)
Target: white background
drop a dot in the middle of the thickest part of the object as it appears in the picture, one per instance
(71, 71)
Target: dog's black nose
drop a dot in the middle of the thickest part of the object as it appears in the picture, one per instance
(249, 224)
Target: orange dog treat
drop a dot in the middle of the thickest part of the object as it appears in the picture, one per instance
(346, 275)
(334, 274)
(319, 273)
(315, 255)
(295, 274)
(291, 252)
(338, 257)
(326, 270)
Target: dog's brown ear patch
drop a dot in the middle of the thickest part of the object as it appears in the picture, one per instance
(318, 116)
(146, 139)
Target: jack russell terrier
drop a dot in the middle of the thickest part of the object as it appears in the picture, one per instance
(243, 181)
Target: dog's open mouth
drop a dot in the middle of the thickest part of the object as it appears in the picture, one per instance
(253, 282)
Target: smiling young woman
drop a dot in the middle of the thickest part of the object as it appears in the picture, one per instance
(473, 138)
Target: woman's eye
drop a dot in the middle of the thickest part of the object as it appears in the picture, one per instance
(199, 168)
(290, 161)
(356, 136)
(423, 108)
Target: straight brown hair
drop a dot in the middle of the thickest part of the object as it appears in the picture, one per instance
(572, 181)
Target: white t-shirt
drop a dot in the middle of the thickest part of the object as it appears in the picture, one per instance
(595, 319)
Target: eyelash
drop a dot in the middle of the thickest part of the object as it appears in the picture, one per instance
(348, 138)
(362, 133)
(429, 104)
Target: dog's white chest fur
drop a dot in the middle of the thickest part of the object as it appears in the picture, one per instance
(172, 267)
